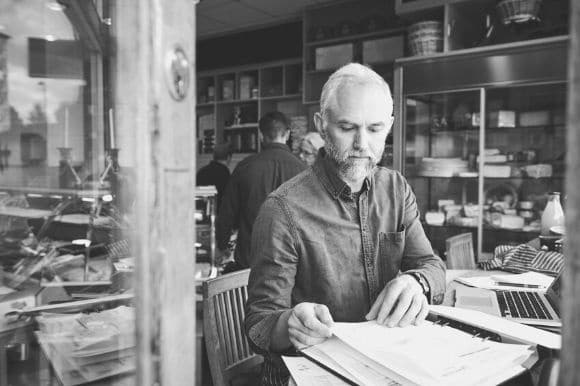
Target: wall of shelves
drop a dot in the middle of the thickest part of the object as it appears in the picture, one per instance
(346, 32)
(477, 23)
(487, 176)
(232, 100)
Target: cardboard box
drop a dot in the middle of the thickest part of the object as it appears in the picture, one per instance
(500, 118)
(382, 50)
(228, 89)
(246, 84)
(332, 57)
(535, 118)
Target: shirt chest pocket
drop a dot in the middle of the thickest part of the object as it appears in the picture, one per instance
(391, 247)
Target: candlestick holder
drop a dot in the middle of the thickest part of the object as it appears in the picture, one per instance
(111, 172)
(67, 175)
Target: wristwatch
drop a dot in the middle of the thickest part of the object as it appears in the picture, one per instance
(422, 282)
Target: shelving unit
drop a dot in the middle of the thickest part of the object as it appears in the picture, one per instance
(478, 23)
(440, 101)
(346, 32)
(232, 100)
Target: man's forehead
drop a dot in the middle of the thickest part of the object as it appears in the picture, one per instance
(355, 99)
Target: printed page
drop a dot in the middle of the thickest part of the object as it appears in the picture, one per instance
(305, 372)
(429, 353)
(356, 366)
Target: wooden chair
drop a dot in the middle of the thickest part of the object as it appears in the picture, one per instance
(459, 251)
(229, 354)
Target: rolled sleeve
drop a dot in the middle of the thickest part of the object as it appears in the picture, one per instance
(273, 270)
(418, 255)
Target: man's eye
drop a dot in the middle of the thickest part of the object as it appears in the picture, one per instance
(375, 129)
(346, 127)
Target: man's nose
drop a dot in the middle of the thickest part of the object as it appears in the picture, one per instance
(361, 139)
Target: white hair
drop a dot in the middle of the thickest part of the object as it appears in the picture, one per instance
(352, 73)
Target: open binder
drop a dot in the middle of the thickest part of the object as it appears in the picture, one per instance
(441, 351)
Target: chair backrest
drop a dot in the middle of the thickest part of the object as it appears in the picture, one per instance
(459, 251)
(227, 347)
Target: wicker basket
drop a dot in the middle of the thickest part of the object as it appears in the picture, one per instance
(518, 11)
(425, 38)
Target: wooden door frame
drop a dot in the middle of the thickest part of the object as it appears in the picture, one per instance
(570, 367)
(156, 134)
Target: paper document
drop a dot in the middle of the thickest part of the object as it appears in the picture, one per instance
(305, 372)
(491, 282)
(431, 354)
(505, 328)
(525, 279)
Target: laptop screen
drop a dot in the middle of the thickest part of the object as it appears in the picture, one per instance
(556, 286)
(553, 294)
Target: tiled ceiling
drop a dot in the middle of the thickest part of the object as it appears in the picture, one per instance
(218, 17)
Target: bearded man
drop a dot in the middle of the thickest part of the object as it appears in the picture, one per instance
(341, 241)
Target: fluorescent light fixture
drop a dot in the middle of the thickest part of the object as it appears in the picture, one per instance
(50, 38)
(87, 199)
(107, 198)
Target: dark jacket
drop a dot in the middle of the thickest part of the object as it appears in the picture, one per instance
(214, 173)
(252, 181)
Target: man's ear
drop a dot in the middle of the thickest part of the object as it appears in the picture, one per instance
(319, 124)
(391, 122)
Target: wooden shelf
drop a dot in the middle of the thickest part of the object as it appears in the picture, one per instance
(230, 101)
(281, 97)
(242, 126)
(54, 192)
(24, 212)
(350, 38)
(485, 228)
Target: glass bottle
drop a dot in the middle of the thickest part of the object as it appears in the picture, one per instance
(553, 214)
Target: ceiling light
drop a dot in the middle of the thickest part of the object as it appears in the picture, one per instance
(50, 38)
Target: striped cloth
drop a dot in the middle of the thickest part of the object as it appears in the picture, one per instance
(524, 258)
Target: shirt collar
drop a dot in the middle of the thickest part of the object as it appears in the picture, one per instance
(325, 169)
(275, 145)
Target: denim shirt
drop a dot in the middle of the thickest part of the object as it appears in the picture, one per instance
(314, 241)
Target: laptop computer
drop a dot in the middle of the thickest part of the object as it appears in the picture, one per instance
(526, 306)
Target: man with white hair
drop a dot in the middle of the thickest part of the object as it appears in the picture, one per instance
(341, 241)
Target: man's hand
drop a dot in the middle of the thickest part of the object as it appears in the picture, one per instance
(309, 324)
(400, 303)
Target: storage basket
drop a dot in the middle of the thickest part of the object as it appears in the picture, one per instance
(518, 11)
(425, 38)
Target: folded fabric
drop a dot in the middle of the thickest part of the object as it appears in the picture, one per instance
(524, 258)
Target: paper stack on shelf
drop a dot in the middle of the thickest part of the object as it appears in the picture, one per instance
(442, 167)
(87, 347)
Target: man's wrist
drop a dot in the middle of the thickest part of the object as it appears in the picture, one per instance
(422, 282)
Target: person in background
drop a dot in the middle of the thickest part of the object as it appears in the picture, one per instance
(309, 146)
(217, 172)
(343, 240)
(252, 180)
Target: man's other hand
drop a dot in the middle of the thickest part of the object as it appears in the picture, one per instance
(309, 324)
(400, 303)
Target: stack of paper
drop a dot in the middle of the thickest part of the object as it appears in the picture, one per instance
(87, 347)
(429, 354)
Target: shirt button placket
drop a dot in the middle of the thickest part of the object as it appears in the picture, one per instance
(367, 247)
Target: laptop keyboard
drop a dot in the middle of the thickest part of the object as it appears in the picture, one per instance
(522, 304)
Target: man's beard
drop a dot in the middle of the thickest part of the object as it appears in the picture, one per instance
(351, 168)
